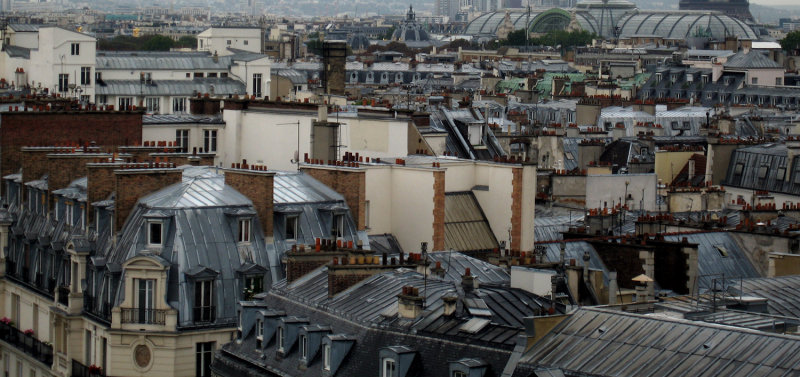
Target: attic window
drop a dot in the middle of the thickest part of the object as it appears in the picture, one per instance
(155, 233)
(304, 347)
(723, 252)
(738, 168)
(259, 333)
(762, 172)
(388, 367)
(281, 339)
(291, 227)
(337, 226)
(244, 230)
(459, 373)
(781, 174)
(326, 357)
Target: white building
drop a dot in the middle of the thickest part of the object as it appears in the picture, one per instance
(49, 58)
(220, 41)
(162, 82)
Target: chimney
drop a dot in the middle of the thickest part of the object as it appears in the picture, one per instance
(450, 303)
(257, 185)
(132, 184)
(409, 303)
(357, 266)
(468, 282)
(301, 260)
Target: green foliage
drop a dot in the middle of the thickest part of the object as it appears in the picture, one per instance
(314, 46)
(158, 43)
(553, 38)
(460, 43)
(144, 43)
(187, 41)
(388, 34)
(791, 42)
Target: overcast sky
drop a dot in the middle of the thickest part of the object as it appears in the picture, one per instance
(775, 3)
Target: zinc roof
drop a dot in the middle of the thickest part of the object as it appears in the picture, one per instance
(465, 226)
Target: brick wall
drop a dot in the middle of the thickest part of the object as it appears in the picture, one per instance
(132, 184)
(58, 128)
(438, 210)
(299, 264)
(516, 209)
(33, 162)
(257, 186)
(342, 277)
(100, 183)
(350, 183)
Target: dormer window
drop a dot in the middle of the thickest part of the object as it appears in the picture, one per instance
(155, 236)
(259, 333)
(388, 367)
(337, 226)
(203, 301)
(304, 347)
(281, 339)
(459, 373)
(292, 228)
(326, 357)
(244, 230)
(68, 212)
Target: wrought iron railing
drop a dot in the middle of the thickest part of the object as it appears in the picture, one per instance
(28, 344)
(80, 370)
(204, 314)
(144, 316)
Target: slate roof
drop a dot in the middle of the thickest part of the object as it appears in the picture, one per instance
(221, 86)
(181, 119)
(751, 60)
(602, 342)
(154, 60)
(465, 225)
(17, 51)
(782, 292)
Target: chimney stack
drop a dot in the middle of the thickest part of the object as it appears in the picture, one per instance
(409, 303)
(257, 185)
(132, 184)
(468, 281)
(450, 303)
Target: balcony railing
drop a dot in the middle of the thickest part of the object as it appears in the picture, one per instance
(90, 306)
(80, 370)
(144, 316)
(204, 314)
(63, 295)
(39, 350)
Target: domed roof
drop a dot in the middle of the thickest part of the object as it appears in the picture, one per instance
(358, 41)
(684, 24)
(410, 30)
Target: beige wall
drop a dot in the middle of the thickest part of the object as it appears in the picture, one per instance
(610, 188)
(669, 164)
(166, 132)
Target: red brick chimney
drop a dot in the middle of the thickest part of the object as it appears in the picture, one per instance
(256, 183)
(136, 181)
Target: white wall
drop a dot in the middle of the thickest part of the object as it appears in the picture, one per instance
(220, 39)
(532, 280)
(610, 188)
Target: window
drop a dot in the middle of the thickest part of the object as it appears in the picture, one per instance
(205, 352)
(86, 75)
(154, 233)
(291, 227)
(98, 76)
(244, 230)
(210, 140)
(762, 171)
(779, 81)
(326, 357)
(459, 373)
(281, 339)
(76, 49)
(781, 174)
(304, 347)
(15, 307)
(101, 99)
(188, 75)
(223, 74)
(246, 42)
(182, 139)
(145, 300)
(259, 333)
(388, 367)
(253, 285)
(687, 125)
(152, 104)
(63, 82)
(68, 213)
(257, 84)
(203, 301)
(228, 42)
(125, 103)
(738, 168)
(179, 105)
(212, 74)
(754, 80)
(337, 227)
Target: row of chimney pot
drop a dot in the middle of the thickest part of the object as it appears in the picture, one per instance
(80, 107)
(410, 291)
(367, 260)
(244, 166)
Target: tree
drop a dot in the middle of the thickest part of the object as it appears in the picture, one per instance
(459, 43)
(791, 42)
(187, 41)
(515, 38)
(158, 43)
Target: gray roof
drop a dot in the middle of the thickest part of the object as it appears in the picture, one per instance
(782, 292)
(25, 27)
(151, 60)
(465, 226)
(156, 119)
(196, 192)
(602, 342)
(455, 265)
(18, 52)
(711, 263)
(295, 76)
(222, 86)
(290, 188)
(751, 59)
